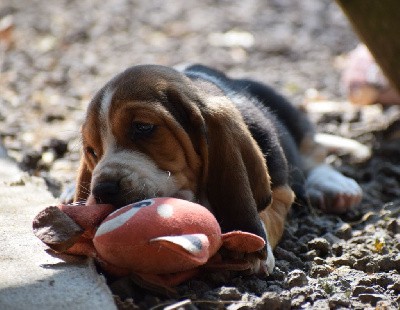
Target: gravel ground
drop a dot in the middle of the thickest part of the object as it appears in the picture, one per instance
(56, 54)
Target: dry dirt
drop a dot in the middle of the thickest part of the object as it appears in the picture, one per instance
(56, 54)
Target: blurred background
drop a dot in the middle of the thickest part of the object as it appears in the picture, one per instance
(54, 55)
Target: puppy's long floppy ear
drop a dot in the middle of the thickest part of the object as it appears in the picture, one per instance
(238, 183)
(83, 181)
(234, 178)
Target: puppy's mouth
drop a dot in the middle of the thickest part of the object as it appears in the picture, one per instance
(117, 202)
(121, 202)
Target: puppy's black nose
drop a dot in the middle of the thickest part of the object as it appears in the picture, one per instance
(106, 192)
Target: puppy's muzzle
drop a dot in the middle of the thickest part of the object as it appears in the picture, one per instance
(106, 192)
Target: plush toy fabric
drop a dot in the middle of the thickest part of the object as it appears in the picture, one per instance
(163, 241)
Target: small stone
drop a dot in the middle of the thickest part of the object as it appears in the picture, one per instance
(311, 255)
(321, 245)
(48, 158)
(338, 300)
(275, 288)
(57, 146)
(331, 238)
(395, 287)
(256, 286)
(337, 249)
(270, 301)
(319, 261)
(371, 298)
(344, 260)
(361, 263)
(298, 301)
(344, 231)
(229, 293)
(321, 304)
(360, 289)
(30, 160)
(320, 271)
(359, 253)
(278, 274)
(282, 254)
(371, 267)
(393, 226)
(383, 305)
(386, 262)
(297, 278)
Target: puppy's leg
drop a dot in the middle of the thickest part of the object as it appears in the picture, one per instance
(273, 219)
(325, 187)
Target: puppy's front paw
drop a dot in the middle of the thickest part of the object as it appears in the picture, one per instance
(331, 191)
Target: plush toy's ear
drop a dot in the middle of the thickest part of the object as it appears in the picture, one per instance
(241, 241)
(194, 246)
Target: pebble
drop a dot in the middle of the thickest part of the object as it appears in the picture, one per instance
(311, 255)
(371, 267)
(371, 298)
(359, 252)
(331, 238)
(320, 271)
(321, 245)
(322, 304)
(337, 249)
(272, 301)
(377, 279)
(298, 301)
(344, 231)
(344, 260)
(339, 300)
(278, 274)
(393, 226)
(30, 160)
(288, 256)
(229, 293)
(256, 286)
(361, 263)
(386, 262)
(59, 147)
(319, 261)
(297, 278)
(395, 287)
(360, 289)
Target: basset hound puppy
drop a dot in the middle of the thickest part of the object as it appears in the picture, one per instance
(232, 145)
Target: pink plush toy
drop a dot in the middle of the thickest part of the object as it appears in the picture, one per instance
(163, 241)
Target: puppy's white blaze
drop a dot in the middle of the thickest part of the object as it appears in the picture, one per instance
(107, 137)
(116, 222)
(165, 210)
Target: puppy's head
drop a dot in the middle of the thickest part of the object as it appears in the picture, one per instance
(142, 138)
(153, 132)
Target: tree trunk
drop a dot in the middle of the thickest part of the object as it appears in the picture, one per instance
(377, 23)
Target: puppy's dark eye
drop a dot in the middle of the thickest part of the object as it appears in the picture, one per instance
(142, 130)
(91, 152)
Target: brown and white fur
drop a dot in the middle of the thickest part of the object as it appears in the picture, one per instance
(233, 145)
